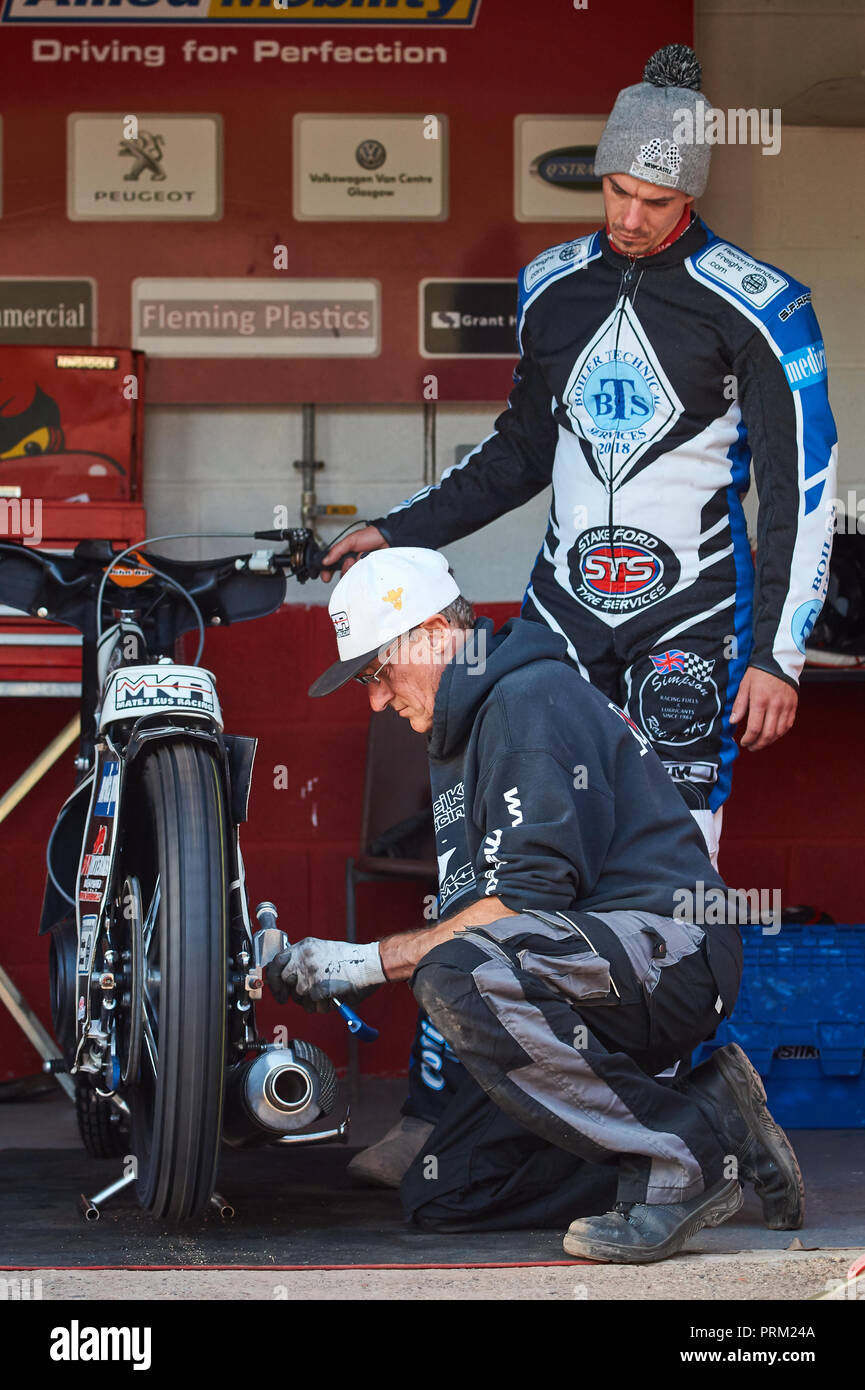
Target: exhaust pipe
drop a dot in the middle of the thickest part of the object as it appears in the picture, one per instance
(280, 1091)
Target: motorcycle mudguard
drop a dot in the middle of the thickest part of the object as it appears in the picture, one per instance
(65, 857)
(241, 756)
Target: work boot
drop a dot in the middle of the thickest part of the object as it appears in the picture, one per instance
(384, 1164)
(731, 1096)
(634, 1233)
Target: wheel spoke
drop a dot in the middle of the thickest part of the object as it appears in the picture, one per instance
(150, 1043)
(150, 919)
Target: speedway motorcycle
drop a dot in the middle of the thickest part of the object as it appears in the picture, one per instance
(155, 963)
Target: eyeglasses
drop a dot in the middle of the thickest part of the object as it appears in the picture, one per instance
(368, 679)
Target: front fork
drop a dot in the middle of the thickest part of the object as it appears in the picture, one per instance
(103, 973)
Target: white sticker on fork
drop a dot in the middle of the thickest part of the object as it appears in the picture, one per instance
(87, 944)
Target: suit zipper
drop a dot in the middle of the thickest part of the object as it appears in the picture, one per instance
(627, 278)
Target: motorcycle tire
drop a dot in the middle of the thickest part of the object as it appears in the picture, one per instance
(104, 1130)
(175, 844)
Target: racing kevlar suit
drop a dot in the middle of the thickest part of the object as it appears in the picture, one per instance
(645, 388)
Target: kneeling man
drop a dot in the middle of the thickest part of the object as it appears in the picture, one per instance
(566, 969)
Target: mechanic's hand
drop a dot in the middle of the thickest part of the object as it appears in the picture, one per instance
(770, 704)
(314, 971)
(368, 538)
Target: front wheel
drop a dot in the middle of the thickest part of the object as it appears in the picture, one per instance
(174, 911)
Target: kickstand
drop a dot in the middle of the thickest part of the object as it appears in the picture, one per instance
(225, 1209)
(92, 1206)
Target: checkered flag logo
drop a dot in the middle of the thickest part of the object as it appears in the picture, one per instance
(687, 662)
(696, 667)
(662, 154)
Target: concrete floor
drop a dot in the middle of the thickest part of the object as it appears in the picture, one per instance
(737, 1261)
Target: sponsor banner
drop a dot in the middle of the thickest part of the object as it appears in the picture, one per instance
(86, 948)
(168, 691)
(96, 864)
(624, 573)
(131, 573)
(618, 396)
(692, 772)
(106, 800)
(157, 167)
(354, 168)
(449, 806)
(753, 282)
(679, 701)
(468, 318)
(92, 890)
(438, 14)
(461, 61)
(98, 861)
(805, 366)
(49, 310)
(554, 177)
(257, 318)
(803, 621)
(568, 255)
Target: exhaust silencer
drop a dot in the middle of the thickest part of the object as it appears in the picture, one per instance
(280, 1091)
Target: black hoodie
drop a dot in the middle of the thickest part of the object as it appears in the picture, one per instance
(544, 792)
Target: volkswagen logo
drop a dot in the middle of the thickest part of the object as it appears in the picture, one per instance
(370, 154)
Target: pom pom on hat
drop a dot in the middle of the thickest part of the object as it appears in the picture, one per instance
(675, 65)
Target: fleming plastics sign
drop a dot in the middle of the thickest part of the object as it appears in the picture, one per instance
(283, 201)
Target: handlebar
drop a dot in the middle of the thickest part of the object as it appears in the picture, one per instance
(303, 558)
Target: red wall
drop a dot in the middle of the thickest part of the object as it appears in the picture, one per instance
(794, 822)
(521, 57)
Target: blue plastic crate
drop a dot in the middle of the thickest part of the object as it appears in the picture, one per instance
(800, 1017)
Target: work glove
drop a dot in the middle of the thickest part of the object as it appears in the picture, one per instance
(314, 972)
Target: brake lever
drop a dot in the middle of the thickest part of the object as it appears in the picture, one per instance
(356, 1026)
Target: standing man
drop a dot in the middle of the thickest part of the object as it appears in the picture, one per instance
(576, 969)
(657, 361)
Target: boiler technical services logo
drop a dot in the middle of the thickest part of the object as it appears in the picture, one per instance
(441, 14)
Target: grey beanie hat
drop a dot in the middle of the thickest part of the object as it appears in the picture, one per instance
(650, 133)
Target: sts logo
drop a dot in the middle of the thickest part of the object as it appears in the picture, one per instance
(628, 570)
(622, 572)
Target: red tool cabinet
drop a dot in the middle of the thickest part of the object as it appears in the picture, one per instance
(70, 469)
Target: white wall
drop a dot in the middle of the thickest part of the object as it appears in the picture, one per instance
(803, 210)
(229, 467)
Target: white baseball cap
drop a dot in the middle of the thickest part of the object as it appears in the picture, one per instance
(384, 595)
